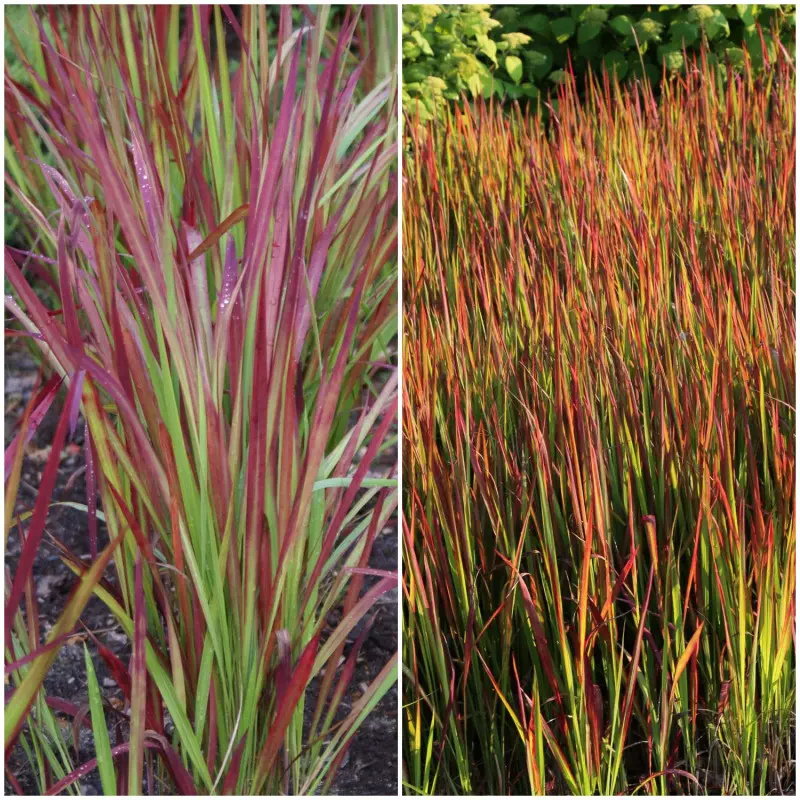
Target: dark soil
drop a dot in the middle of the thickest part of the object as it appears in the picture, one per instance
(370, 767)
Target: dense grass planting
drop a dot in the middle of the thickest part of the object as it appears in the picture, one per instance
(599, 385)
(212, 277)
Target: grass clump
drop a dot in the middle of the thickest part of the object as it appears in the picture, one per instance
(215, 271)
(599, 384)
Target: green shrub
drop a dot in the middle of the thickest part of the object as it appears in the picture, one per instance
(519, 51)
(448, 50)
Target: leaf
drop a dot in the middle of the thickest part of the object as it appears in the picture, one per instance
(410, 51)
(422, 43)
(539, 60)
(102, 745)
(536, 23)
(475, 84)
(634, 666)
(487, 47)
(746, 13)
(351, 619)
(710, 19)
(562, 28)
(684, 33)
(756, 49)
(588, 31)
(615, 63)
(514, 68)
(286, 706)
(674, 771)
(84, 769)
(224, 226)
(691, 647)
(718, 24)
(91, 489)
(203, 688)
(506, 16)
(487, 87)
(41, 509)
(414, 73)
(138, 686)
(594, 14)
(38, 406)
(622, 25)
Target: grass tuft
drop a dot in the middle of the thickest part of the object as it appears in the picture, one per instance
(212, 273)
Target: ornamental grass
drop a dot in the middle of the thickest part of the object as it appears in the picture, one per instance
(599, 387)
(210, 203)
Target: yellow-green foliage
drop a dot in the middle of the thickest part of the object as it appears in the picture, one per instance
(516, 52)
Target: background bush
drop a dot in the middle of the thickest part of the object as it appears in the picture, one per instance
(520, 51)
